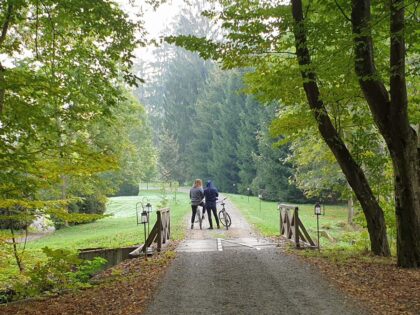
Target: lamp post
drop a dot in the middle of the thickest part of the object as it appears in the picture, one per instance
(317, 212)
(148, 210)
(144, 220)
(248, 193)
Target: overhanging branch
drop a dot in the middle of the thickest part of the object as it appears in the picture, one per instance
(6, 24)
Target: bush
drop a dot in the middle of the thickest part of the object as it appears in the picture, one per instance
(85, 210)
(17, 218)
(91, 204)
(62, 270)
(128, 189)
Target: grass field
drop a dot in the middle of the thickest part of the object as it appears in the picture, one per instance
(267, 220)
(118, 230)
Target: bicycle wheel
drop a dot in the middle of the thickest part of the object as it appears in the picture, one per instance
(224, 218)
(228, 220)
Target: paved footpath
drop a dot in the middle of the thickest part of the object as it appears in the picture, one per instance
(237, 272)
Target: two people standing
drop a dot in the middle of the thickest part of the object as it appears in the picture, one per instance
(197, 194)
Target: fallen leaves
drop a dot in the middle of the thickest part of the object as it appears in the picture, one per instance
(124, 289)
(379, 284)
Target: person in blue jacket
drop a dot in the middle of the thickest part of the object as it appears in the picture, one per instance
(211, 194)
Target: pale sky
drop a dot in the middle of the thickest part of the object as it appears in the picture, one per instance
(155, 21)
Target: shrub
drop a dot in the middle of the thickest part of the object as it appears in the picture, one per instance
(128, 189)
(84, 210)
(17, 218)
(91, 204)
(62, 270)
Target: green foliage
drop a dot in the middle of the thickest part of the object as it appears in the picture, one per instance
(16, 218)
(127, 189)
(89, 204)
(257, 35)
(62, 96)
(62, 270)
(118, 229)
(59, 89)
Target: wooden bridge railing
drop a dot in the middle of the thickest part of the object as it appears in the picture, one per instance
(160, 232)
(292, 228)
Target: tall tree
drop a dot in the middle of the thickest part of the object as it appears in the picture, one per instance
(390, 112)
(259, 35)
(63, 62)
(175, 80)
(225, 126)
(247, 146)
(169, 166)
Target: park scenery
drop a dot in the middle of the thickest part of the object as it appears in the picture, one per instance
(296, 122)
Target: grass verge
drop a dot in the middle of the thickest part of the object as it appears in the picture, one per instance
(335, 231)
(118, 230)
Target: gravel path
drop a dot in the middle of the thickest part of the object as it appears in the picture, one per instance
(246, 281)
(239, 228)
(242, 279)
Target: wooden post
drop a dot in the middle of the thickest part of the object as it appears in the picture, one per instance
(296, 231)
(159, 233)
(281, 221)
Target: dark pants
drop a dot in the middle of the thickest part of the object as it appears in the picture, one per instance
(211, 207)
(194, 211)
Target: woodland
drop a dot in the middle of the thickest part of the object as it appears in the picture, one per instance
(303, 101)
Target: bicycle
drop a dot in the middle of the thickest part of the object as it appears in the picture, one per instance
(224, 217)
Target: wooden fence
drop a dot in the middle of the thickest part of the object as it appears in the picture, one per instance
(160, 232)
(292, 228)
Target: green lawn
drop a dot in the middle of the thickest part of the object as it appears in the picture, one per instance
(120, 229)
(267, 219)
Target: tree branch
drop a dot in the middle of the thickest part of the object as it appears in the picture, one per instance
(370, 82)
(342, 11)
(6, 23)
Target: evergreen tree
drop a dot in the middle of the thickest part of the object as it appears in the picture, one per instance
(247, 143)
(224, 163)
(169, 167)
(272, 181)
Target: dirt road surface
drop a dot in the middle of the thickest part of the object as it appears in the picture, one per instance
(236, 271)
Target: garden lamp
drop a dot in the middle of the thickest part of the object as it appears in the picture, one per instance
(144, 217)
(317, 209)
(149, 207)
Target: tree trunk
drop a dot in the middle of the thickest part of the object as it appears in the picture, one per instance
(353, 172)
(390, 112)
(4, 29)
(15, 251)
